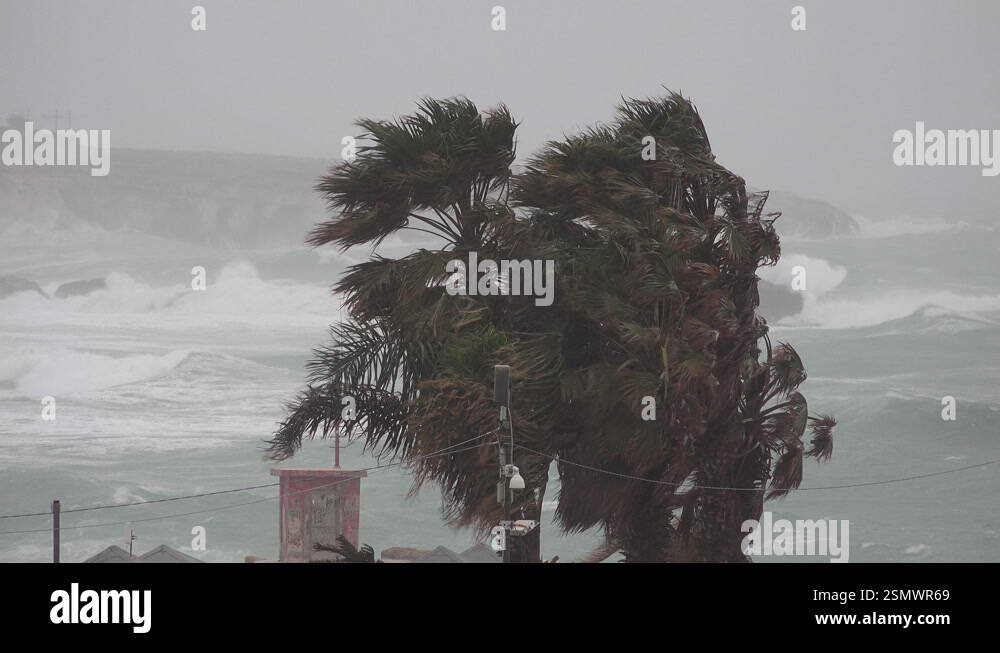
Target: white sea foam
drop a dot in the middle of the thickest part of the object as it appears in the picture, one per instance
(945, 311)
(904, 225)
(46, 371)
(917, 550)
(821, 275)
(236, 291)
(842, 313)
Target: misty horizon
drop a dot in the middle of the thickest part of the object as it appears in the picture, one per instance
(290, 80)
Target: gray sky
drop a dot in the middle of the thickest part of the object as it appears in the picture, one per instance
(808, 112)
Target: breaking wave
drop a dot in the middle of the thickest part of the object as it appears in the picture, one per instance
(944, 310)
(904, 225)
(236, 290)
(57, 371)
(821, 276)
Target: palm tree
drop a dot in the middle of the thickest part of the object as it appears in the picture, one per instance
(657, 260)
(656, 297)
(417, 360)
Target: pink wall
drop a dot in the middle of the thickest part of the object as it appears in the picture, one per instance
(317, 505)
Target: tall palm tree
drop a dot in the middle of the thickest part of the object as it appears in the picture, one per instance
(656, 297)
(417, 360)
(657, 273)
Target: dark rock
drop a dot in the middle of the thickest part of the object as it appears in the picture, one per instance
(12, 285)
(83, 287)
(777, 302)
(808, 218)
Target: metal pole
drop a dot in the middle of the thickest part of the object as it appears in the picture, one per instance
(501, 395)
(55, 531)
(506, 501)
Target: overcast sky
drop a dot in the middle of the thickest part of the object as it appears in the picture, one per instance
(809, 112)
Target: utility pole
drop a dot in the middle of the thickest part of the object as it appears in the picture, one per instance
(506, 460)
(510, 476)
(501, 395)
(55, 531)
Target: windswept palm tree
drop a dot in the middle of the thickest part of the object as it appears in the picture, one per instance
(656, 298)
(417, 360)
(657, 264)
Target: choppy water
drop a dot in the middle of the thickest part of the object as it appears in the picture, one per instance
(163, 391)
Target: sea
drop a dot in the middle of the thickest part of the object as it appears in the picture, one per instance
(160, 390)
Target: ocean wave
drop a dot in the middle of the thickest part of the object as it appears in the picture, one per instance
(42, 371)
(904, 226)
(945, 311)
(57, 371)
(934, 320)
(821, 276)
(237, 289)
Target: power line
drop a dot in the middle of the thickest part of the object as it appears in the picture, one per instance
(181, 514)
(142, 503)
(751, 489)
(374, 469)
(451, 449)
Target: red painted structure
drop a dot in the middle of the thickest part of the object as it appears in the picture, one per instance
(317, 505)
